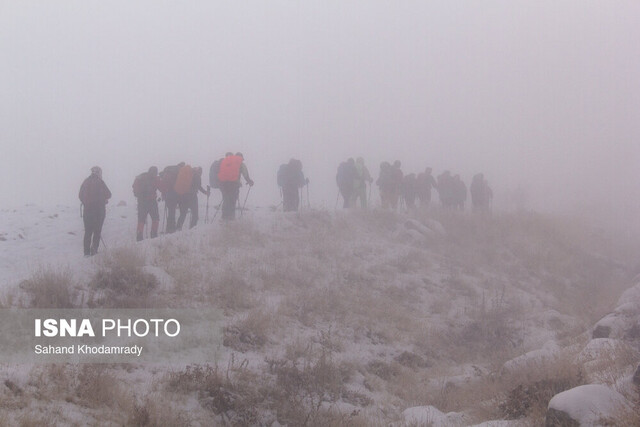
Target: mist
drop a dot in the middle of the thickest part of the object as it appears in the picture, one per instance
(540, 96)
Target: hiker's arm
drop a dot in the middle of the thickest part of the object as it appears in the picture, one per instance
(245, 173)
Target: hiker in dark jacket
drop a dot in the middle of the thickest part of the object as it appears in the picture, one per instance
(191, 199)
(345, 178)
(409, 190)
(397, 178)
(168, 179)
(291, 179)
(425, 182)
(481, 193)
(94, 195)
(460, 192)
(145, 189)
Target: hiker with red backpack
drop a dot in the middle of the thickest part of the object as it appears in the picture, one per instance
(168, 179)
(94, 195)
(231, 168)
(189, 201)
(144, 189)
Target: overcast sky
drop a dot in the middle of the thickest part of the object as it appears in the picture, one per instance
(539, 94)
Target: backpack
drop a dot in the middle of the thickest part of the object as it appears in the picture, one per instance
(342, 175)
(230, 169)
(214, 182)
(91, 191)
(183, 182)
(282, 172)
(139, 185)
(170, 174)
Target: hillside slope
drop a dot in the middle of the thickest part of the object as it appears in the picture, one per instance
(364, 317)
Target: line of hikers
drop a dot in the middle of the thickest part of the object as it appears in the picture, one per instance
(395, 187)
(180, 184)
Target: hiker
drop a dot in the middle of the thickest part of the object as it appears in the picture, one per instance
(182, 188)
(345, 178)
(290, 180)
(232, 167)
(396, 178)
(144, 189)
(481, 193)
(190, 199)
(384, 184)
(168, 179)
(360, 183)
(460, 192)
(409, 190)
(94, 195)
(424, 183)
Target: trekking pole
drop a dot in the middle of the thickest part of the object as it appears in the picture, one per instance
(337, 198)
(81, 210)
(206, 215)
(245, 201)
(217, 210)
(308, 200)
(103, 243)
(369, 196)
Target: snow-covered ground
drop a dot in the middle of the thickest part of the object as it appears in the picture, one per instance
(363, 317)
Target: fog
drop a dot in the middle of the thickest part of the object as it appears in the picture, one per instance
(542, 96)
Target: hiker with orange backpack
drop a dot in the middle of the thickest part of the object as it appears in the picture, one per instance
(144, 189)
(232, 167)
(94, 195)
(190, 199)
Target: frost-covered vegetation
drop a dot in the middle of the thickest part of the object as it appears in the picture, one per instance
(356, 318)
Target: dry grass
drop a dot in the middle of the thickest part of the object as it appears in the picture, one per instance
(250, 333)
(122, 283)
(50, 287)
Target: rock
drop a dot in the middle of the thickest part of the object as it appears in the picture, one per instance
(584, 405)
(435, 226)
(412, 224)
(601, 331)
(121, 203)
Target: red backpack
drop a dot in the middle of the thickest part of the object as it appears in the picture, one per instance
(230, 169)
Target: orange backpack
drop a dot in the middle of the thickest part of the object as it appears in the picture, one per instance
(230, 169)
(183, 181)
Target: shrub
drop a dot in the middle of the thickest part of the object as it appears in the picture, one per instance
(123, 282)
(51, 288)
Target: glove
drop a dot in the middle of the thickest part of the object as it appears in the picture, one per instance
(250, 182)
(306, 181)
